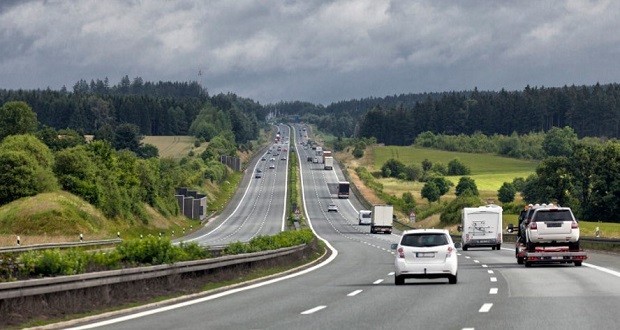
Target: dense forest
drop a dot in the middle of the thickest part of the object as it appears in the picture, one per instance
(399, 119)
(162, 108)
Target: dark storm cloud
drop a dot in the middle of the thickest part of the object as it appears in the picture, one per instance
(318, 51)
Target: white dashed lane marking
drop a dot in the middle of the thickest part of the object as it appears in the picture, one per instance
(493, 279)
(313, 310)
(485, 308)
(493, 291)
(377, 281)
(490, 271)
(354, 293)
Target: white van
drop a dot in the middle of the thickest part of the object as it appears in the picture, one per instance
(482, 226)
(365, 217)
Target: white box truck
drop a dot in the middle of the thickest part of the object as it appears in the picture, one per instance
(381, 219)
(482, 226)
(329, 163)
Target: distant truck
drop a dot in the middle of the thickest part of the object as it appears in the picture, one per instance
(343, 189)
(381, 219)
(482, 227)
(326, 153)
(319, 151)
(328, 163)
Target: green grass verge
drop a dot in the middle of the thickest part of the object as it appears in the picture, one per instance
(226, 192)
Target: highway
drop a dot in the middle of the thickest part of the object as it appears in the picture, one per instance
(355, 289)
(258, 207)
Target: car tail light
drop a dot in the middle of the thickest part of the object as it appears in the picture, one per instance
(450, 249)
(574, 225)
(533, 225)
(401, 252)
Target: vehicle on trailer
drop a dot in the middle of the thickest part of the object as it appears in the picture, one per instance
(547, 234)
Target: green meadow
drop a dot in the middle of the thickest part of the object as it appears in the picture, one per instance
(489, 171)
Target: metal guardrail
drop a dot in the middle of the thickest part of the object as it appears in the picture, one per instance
(43, 246)
(89, 280)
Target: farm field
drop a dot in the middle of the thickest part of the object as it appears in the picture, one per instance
(489, 171)
(171, 146)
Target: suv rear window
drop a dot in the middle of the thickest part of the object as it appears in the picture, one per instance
(552, 215)
(424, 240)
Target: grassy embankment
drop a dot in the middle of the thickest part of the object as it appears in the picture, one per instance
(61, 216)
(488, 171)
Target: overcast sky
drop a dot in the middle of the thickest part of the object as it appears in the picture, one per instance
(316, 51)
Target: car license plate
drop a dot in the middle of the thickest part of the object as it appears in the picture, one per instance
(425, 254)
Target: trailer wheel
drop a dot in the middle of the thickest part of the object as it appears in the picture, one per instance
(520, 260)
(578, 263)
(498, 246)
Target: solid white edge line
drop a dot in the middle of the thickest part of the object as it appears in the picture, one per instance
(493, 291)
(485, 308)
(354, 293)
(602, 269)
(313, 310)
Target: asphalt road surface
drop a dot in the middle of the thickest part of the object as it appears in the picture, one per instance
(355, 288)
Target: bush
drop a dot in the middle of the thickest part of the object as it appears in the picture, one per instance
(456, 167)
(53, 262)
(466, 185)
(506, 193)
(265, 243)
(451, 214)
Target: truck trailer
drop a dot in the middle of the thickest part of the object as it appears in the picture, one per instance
(328, 163)
(381, 219)
(343, 189)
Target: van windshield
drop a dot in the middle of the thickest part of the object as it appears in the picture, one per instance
(424, 240)
(365, 215)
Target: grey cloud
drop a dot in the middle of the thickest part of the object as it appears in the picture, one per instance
(319, 51)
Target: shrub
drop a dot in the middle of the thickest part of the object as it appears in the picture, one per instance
(452, 212)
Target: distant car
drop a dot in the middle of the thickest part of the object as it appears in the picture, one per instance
(268, 151)
(364, 217)
(425, 253)
(272, 166)
(283, 158)
(309, 158)
(272, 159)
(316, 160)
(258, 175)
(258, 170)
(263, 158)
(332, 208)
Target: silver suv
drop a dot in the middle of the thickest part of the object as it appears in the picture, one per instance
(551, 225)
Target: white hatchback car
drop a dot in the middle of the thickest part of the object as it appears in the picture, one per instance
(425, 253)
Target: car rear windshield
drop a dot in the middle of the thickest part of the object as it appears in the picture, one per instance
(553, 215)
(424, 240)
